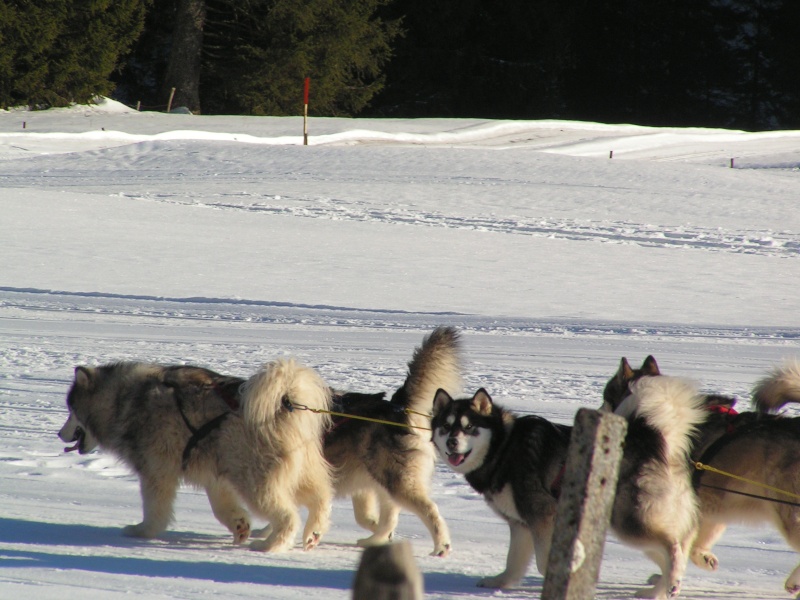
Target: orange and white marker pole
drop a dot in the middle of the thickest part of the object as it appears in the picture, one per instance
(305, 111)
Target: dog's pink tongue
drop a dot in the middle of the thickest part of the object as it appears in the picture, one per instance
(71, 448)
(455, 459)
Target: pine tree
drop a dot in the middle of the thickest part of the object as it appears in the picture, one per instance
(27, 34)
(185, 57)
(257, 53)
(56, 52)
(761, 40)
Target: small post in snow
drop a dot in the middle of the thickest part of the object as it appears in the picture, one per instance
(305, 110)
(732, 163)
(610, 154)
(388, 573)
(171, 96)
(584, 508)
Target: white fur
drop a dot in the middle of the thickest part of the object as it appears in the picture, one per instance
(779, 387)
(264, 393)
(503, 503)
(287, 445)
(669, 404)
(668, 505)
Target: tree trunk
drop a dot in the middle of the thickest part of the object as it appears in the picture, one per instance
(183, 70)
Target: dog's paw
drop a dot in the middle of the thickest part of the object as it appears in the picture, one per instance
(259, 546)
(442, 551)
(498, 582)
(793, 588)
(655, 592)
(140, 531)
(261, 533)
(269, 546)
(374, 540)
(369, 523)
(674, 589)
(312, 541)
(658, 592)
(241, 531)
(705, 559)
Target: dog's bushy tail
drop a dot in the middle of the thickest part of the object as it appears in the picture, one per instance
(780, 387)
(435, 364)
(287, 394)
(670, 405)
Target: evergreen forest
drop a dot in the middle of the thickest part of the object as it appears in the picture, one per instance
(709, 63)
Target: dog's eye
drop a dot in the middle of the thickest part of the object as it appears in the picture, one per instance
(445, 428)
(468, 427)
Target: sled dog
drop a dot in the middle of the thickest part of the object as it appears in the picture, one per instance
(516, 463)
(386, 467)
(235, 438)
(756, 446)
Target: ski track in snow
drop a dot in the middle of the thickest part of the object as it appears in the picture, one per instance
(755, 242)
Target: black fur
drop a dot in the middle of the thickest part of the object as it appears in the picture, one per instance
(527, 455)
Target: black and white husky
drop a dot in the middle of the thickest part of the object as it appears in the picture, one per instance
(516, 463)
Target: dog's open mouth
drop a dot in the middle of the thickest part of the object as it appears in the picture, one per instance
(455, 459)
(78, 438)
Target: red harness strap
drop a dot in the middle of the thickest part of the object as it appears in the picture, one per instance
(729, 411)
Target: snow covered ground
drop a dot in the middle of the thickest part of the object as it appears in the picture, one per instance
(222, 241)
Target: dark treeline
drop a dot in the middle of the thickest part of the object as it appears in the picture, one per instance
(731, 63)
(251, 56)
(726, 63)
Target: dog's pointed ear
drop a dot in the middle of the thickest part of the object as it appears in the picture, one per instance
(482, 402)
(625, 372)
(441, 401)
(83, 377)
(650, 366)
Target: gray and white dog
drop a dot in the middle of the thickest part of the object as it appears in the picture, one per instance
(234, 438)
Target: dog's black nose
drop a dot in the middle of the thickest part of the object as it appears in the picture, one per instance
(452, 443)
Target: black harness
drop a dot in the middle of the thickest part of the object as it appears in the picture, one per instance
(732, 433)
(198, 434)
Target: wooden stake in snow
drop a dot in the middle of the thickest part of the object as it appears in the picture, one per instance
(171, 96)
(584, 508)
(305, 111)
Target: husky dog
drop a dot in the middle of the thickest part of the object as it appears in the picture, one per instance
(752, 445)
(388, 466)
(516, 462)
(235, 438)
